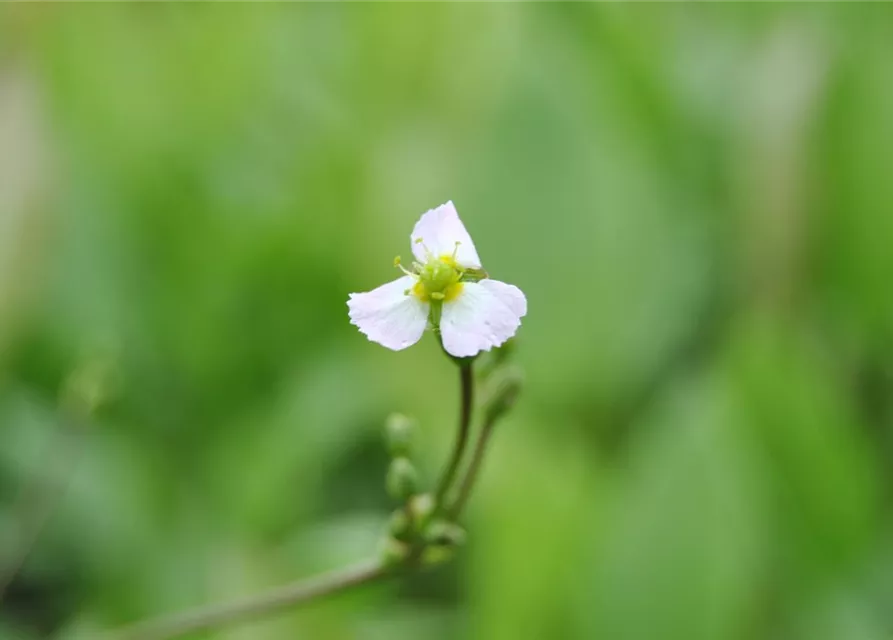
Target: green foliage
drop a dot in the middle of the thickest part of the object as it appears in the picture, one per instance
(696, 202)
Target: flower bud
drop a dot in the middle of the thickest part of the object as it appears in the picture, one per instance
(399, 525)
(445, 534)
(421, 507)
(502, 392)
(433, 556)
(394, 552)
(402, 479)
(398, 434)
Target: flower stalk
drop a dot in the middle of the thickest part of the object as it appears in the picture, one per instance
(477, 458)
(466, 378)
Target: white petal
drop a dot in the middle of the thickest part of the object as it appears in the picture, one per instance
(440, 229)
(510, 295)
(388, 316)
(484, 315)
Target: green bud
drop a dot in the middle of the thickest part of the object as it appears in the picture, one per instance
(402, 480)
(434, 555)
(502, 392)
(422, 507)
(398, 434)
(399, 526)
(394, 552)
(442, 538)
(445, 534)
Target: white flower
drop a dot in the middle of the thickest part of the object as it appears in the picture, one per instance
(446, 286)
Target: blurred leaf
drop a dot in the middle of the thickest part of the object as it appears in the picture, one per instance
(685, 540)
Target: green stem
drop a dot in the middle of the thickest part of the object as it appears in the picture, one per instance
(474, 467)
(240, 611)
(467, 402)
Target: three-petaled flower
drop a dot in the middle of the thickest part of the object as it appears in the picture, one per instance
(447, 288)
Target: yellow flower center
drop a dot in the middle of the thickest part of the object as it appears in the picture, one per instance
(439, 279)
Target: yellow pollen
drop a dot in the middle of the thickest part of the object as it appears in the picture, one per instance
(418, 290)
(452, 292)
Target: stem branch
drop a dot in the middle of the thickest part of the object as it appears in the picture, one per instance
(255, 606)
(473, 468)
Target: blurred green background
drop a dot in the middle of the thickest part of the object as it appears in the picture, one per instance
(697, 202)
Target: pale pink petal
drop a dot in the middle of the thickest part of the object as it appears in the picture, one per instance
(510, 295)
(483, 316)
(439, 230)
(388, 316)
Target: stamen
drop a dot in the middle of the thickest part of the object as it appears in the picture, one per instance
(456, 250)
(401, 267)
(421, 241)
(436, 295)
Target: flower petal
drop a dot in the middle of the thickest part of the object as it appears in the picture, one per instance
(485, 315)
(510, 295)
(440, 229)
(388, 316)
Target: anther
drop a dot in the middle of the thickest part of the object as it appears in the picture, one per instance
(401, 267)
(421, 241)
